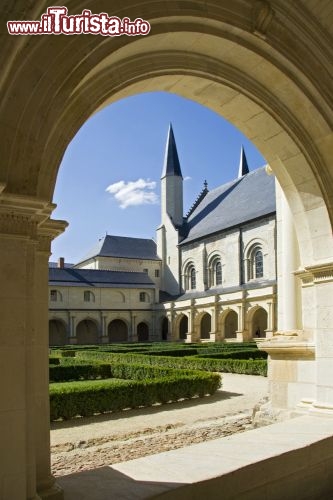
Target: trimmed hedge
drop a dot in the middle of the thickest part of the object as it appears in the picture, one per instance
(64, 353)
(68, 400)
(53, 360)
(243, 354)
(242, 366)
(80, 371)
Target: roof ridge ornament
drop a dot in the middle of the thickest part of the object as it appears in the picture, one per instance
(198, 199)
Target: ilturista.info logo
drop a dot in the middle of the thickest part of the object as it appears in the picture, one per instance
(56, 21)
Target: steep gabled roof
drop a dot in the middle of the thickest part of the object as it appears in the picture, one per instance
(98, 278)
(122, 246)
(234, 203)
(171, 161)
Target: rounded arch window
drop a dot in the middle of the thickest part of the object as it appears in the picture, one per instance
(256, 263)
(190, 277)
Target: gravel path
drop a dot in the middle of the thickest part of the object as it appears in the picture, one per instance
(87, 443)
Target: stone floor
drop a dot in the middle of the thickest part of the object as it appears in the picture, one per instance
(84, 444)
(290, 460)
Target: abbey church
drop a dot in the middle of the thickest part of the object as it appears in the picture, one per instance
(211, 276)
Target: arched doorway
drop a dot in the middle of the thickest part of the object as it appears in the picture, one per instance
(142, 331)
(183, 327)
(205, 326)
(87, 332)
(165, 328)
(57, 332)
(231, 325)
(117, 331)
(259, 323)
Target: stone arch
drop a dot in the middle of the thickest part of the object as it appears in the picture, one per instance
(205, 326)
(142, 331)
(57, 332)
(118, 331)
(230, 324)
(258, 322)
(87, 332)
(182, 327)
(164, 328)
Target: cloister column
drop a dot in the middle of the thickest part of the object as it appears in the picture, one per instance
(72, 329)
(46, 486)
(104, 337)
(25, 454)
(241, 324)
(288, 261)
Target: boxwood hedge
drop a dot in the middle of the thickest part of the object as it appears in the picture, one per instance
(68, 400)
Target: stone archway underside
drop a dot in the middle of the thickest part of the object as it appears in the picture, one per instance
(265, 66)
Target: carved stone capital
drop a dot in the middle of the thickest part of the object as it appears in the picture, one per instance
(20, 215)
(316, 274)
(47, 231)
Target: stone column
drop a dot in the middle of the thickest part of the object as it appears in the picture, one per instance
(288, 261)
(104, 337)
(46, 486)
(72, 329)
(24, 415)
(134, 336)
(241, 336)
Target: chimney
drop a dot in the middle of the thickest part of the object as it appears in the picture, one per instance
(61, 263)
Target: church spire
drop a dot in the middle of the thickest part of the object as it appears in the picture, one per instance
(171, 161)
(243, 166)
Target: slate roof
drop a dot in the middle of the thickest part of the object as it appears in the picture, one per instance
(122, 246)
(171, 164)
(98, 278)
(237, 202)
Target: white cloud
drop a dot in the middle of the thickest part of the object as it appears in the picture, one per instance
(140, 192)
(187, 178)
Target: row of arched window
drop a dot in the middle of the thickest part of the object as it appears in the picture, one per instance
(255, 270)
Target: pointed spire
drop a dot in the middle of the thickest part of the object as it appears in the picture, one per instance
(171, 161)
(243, 166)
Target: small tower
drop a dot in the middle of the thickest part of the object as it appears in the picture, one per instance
(172, 183)
(243, 166)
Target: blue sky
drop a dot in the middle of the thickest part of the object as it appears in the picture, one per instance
(122, 148)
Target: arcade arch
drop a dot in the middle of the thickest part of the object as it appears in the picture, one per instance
(142, 331)
(87, 332)
(57, 332)
(118, 331)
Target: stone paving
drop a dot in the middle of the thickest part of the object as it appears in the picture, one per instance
(84, 444)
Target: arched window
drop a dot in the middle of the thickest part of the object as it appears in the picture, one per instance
(88, 296)
(55, 296)
(190, 277)
(215, 272)
(256, 263)
(218, 273)
(193, 279)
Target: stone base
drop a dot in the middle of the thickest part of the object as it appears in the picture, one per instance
(55, 492)
(264, 414)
